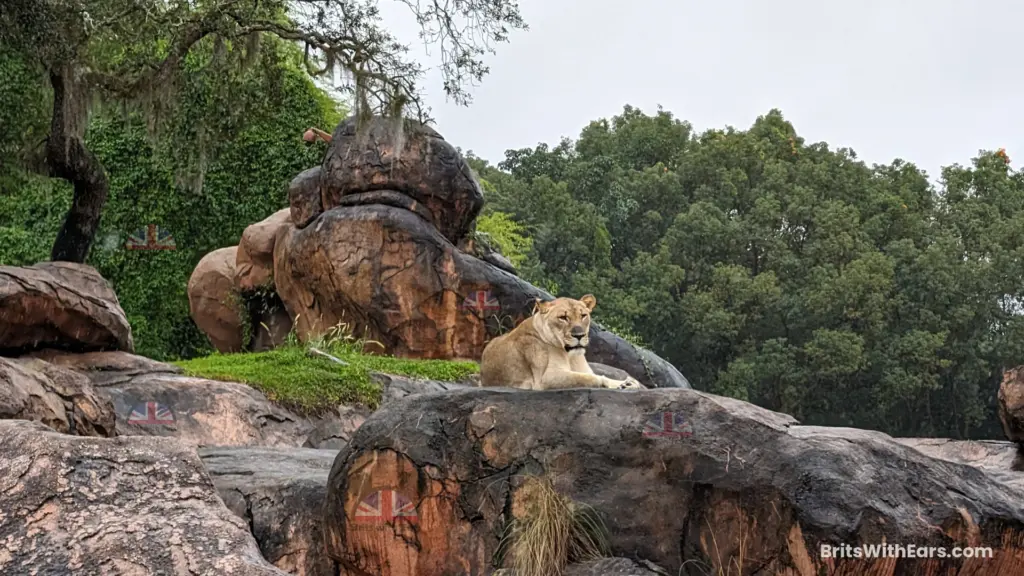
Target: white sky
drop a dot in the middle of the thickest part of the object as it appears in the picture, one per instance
(929, 81)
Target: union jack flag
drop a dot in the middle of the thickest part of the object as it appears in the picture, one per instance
(481, 300)
(385, 506)
(152, 237)
(667, 425)
(151, 413)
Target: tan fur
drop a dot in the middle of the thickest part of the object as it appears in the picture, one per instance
(533, 356)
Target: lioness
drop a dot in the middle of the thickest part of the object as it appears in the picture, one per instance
(547, 351)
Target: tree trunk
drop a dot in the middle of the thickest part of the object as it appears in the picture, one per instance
(70, 160)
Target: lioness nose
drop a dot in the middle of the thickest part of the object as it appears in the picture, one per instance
(578, 332)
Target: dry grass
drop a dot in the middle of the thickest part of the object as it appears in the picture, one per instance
(548, 531)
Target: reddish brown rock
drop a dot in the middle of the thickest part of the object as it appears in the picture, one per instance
(1011, 404)
(304, 198)
(214, 302)
(60, 305)
(117, 506)
(696, 483)
(254, 260)
(33, 389)
(397, 281)
(414, 161)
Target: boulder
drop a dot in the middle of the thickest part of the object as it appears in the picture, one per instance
(693, 482)
(106, 368)
(1011, 404)
(254, 259)
(64, 400)
(1003, 460)
(279, 492)
(397, 281)
(75, 505)
(409, 159)
(213, 301)
(60, 305)
(304, 197)
(204, 412)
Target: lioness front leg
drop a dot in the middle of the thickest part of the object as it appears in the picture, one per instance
(567, 379)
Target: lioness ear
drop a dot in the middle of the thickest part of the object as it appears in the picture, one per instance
(540, 306)
(589, 301)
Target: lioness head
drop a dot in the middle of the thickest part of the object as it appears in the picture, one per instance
(567, 322)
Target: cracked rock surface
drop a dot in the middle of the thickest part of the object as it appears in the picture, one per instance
(279, 493)
(60, 305)
(117, 506)
(64, 400)
(684, 479)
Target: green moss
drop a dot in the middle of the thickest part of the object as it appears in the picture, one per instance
(311, 384)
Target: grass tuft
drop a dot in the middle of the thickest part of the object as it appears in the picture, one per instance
(311, 384)
(549, 531)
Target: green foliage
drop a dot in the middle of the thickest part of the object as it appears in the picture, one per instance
(257, 116)
(785, 273)
(505, 234)
(310, 384)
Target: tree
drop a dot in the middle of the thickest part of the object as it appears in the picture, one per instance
(131, 52)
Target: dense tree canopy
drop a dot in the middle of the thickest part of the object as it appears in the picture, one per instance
(782, 272)
(132, 53)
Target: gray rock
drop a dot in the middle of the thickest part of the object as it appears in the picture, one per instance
(60, 305)
(106, 368)
(688, 480)
(119, 506)
(279, 492)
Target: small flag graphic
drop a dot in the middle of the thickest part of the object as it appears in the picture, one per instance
(385, 506)
(667, 425)
(152, 237)
(151, 413)
(481, 300)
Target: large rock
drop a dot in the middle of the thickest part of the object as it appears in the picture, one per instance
(123, 506)
(1003, 460)
(406, 159)
(213, 300)
(1011, 404)
(304, 198)
(280, 494)
(60, 305)
(204, 412)
(693, 482)
(64, 400)
(107, 368)
(254, 259)
(388, 273)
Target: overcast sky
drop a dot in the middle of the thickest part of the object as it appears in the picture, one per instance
(929, 81)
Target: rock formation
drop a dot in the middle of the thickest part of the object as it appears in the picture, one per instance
(687, 480)
(280, 495)
(212, 300)
(60, 305)
(76, 505)
(64, 400)
(379, 237)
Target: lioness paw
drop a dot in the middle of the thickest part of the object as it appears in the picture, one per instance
(630, 383)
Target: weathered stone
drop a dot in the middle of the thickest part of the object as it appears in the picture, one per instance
(213, 301)
(254, 259)
(693, 482)
(279, 493)
(204, 412)
(126, 506)
(64, 400)
(60, 305)
(395, 280)
(304, 199)
(1002, 460)
(605, 567)
(106, 368)
(1011, 404)
(411, 159)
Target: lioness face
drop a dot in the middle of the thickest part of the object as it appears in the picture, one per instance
(569, 320)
